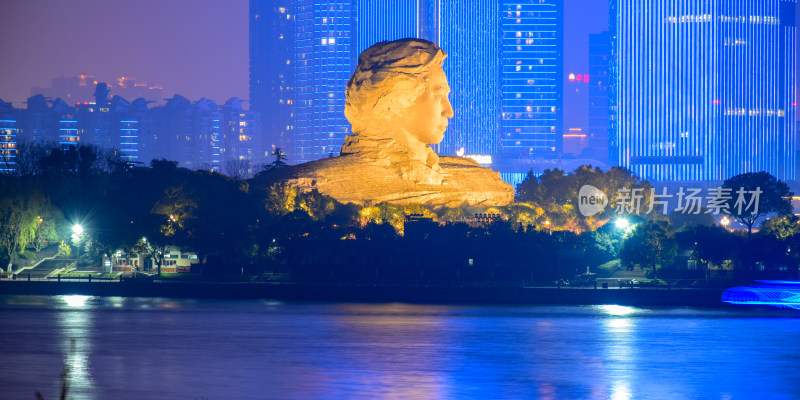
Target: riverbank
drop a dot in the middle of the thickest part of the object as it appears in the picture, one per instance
(375, 293)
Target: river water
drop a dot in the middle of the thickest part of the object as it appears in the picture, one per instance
(138, 348)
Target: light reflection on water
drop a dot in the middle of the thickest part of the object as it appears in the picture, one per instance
(135, 348)
(619, 353)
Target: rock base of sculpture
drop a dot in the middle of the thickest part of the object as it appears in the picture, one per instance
(365, 180)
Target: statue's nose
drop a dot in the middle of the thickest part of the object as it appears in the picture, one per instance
(447, 111)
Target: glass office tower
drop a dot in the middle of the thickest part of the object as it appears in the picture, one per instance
(532, 77)
(705, 89)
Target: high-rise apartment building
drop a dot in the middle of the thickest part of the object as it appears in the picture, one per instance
(324, 60)
(240, 137)
(8, 138)
(272, 45)
(532, 78)
(599, 115)
(469, 31)
(385, 20)
(705, 90)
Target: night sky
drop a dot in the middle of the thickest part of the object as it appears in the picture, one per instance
(196, 48)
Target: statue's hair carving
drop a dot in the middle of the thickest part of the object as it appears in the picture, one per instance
(384, 70)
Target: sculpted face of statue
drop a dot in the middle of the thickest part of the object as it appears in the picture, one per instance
(400, 91)
(427, 118)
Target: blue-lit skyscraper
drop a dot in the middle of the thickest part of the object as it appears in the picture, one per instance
(129, 140)
(599, 105)
(469, 32)
(8, 138)
(385, 20)
(705, 89)
(531, 77)
(68, 131)
(324, 59)
(272, 72)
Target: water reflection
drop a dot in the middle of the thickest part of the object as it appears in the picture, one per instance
(613, 309)
(386, 350)
(75, 301)
(139, 348)
(620, 347)
(75, 322)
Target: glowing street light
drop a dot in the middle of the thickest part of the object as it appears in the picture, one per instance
(547, 224)
(622, 223)
(77, 231)
(725, 221)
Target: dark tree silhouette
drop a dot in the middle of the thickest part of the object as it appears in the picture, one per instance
(651, 246)
(278, 163)
(773, 196)
(237, 169)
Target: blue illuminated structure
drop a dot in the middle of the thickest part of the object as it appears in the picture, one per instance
(385, 20)
(8, 144)
(216, 134)
(240, 135)
(129, 140)
(705, 89)
(67, 132)
(206, 132)
(469, 31)
(599, 105)
(531, 78)
(323, 62)
(781, 294)
(272, 72)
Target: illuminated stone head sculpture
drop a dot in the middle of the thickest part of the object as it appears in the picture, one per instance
(397, 104)
(399, 90)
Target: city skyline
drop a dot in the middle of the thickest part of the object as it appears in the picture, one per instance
(148, 43)
(582, 110)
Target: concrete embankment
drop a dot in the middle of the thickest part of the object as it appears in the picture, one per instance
(372, 293)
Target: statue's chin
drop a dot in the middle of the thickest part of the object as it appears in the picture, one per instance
(434, 137)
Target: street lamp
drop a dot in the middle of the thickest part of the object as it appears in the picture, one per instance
(622, 223)
(547, 224)
(77, 231)
(725, 221)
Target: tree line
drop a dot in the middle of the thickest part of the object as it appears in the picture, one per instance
(261, 225)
